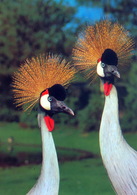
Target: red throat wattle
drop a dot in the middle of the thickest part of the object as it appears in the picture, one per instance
(107, 88)
(49, 122)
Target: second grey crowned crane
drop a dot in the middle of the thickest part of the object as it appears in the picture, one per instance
(100, 50)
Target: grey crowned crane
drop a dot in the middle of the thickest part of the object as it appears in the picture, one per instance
(102, 47)
(42, 80)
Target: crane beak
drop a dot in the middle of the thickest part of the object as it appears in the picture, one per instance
(66, 109)
(60, 106)
(116, 73)
(110, 69)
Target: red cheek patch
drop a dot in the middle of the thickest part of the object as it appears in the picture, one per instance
(49, 122)
(45, 92)
(107, 88)
(98, 60)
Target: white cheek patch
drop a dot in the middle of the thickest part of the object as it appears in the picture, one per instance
(44, 102)
(100, 70)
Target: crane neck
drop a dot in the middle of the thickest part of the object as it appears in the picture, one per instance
(110, 127)
(48, 146)
(119, 159)
(48, 181)
(111, 102)
(50, 169)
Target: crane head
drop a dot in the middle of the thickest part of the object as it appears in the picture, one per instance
(51, 100)
(107, 69)
(106, 42)
(107, 64)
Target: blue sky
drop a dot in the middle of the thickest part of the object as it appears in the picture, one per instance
(90, 13)
(87, 14)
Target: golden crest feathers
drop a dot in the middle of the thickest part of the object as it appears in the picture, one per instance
(95, 39)
(38, 74)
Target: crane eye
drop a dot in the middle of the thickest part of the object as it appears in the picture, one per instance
(50, 99)
(103, 64)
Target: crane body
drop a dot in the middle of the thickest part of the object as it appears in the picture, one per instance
(120, 160)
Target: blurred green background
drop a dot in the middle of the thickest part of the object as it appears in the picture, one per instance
(28, 28)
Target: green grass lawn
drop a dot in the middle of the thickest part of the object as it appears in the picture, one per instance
(83, 177)
(77, 177)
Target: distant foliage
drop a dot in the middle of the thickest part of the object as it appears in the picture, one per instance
(31, 27)
(27, 28)
(87, 102)
(130, 116)
(90, 116)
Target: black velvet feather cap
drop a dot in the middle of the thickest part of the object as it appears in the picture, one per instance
(57, 91)
(109, 57)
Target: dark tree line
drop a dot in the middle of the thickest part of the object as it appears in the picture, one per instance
(28, 28)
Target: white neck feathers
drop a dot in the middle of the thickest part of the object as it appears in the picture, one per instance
(110, 127)
(48, 181)
(118, 157)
